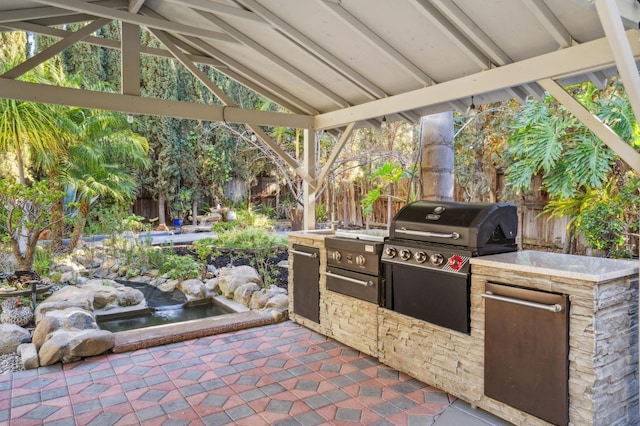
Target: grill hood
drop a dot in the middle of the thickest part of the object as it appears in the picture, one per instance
(475, 226)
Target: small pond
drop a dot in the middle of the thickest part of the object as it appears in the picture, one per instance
(163, 308)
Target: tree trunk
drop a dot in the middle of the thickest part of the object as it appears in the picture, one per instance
(81, 221)
(437, 156)
(162, 217)
(57, 225)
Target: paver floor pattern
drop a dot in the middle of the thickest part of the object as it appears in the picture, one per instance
(280, 374)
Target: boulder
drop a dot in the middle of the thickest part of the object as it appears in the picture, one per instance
(260, 299)
(89, 343)
(103, 295)
(66, 297)
(193, 289)
(278, 301)
(243, 293)
(128, 296)
(168, 286)
(12, 336)
(52, 350)
(69, 335)
(44, 329)
(29, 356)
(233, 277)
(212, 287)
(108, 293)
(78, 320)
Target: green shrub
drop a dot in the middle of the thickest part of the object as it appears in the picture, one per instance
(180, 267)
(253, 237)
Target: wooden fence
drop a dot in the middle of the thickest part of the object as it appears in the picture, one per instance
(342, 205)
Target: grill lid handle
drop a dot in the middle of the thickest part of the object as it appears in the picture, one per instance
(453, 235)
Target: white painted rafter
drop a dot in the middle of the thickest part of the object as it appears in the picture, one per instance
(91, 8)
(266, 53)
(221, 9)
(103, 42)
(43, 12)
(255, 81)
(135, 5)
(379, 43)
(243, 75)
(56, 48)
(24, 91)
(591, 56)
(471, 31)
(454, 34)
(314, 49)
(550, 22)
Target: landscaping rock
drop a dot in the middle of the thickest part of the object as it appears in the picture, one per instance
(66, 297)
(212, 287)
(51, 351)
(278, 301)
(233, 277)
(44, 330)
(244, 292)
(11, 337)
(168, 286)
(193, 289)
(69, 335)
(89, 343)
(29, 356)
(128, 296)
(260, 299)
(78, 320)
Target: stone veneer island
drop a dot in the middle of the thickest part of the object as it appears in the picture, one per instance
(603, 332)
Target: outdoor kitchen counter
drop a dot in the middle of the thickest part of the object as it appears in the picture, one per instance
(603, 326)
(583, 268)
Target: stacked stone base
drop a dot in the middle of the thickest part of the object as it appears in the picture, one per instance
(603, 342)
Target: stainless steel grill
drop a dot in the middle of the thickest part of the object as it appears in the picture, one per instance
(427, 256)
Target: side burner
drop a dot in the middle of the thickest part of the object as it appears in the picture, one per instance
(353, 264)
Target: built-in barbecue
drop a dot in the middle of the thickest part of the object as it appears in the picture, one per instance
(353, 263)
(427, 254)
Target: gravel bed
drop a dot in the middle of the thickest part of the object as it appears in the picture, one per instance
(10, 363)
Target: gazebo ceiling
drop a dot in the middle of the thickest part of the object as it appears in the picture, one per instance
(340, 61)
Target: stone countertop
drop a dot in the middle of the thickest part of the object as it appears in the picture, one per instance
(595, 269)
(314, 234)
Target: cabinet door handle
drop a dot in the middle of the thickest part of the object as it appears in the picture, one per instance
(303, 253)
(551, 308)
(351, 280)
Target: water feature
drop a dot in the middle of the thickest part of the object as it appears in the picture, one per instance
(162, 308)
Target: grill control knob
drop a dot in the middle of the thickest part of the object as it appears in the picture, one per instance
(436, 259)
(405, 254)
(420, 256)
(336, 256)
(391, 251)
(360, 260)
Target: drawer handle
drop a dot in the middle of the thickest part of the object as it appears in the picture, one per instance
(303, 253)
(351, 280)
(552, 308)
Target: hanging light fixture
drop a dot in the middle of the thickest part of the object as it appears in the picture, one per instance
(472, 108)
